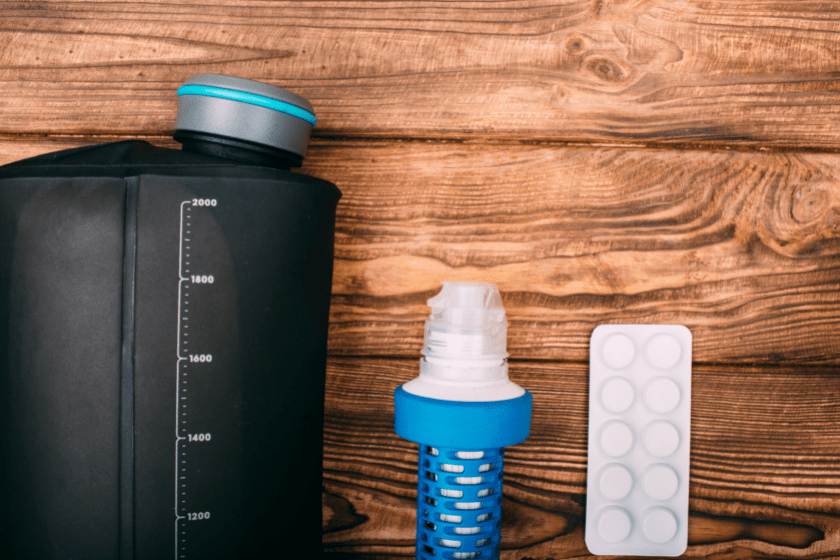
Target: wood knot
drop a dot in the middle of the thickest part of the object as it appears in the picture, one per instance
(559, 95)
(803, 220)
(809, 203)
(338, 513)
(575, 45)
(605, 69)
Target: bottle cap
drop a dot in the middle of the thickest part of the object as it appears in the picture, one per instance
(245, 113)
(467, 322)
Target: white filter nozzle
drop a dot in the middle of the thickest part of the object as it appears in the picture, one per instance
(468, 322)
(465, 356)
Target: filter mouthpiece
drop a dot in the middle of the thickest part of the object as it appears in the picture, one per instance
(468, 321)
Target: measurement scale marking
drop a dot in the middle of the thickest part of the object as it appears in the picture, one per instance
(179, 421)
(183, 357)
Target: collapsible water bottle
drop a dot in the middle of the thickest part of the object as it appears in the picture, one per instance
(163, 338)
(463, 411)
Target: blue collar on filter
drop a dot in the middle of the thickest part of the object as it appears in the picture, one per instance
(250, 98)
(462, 425)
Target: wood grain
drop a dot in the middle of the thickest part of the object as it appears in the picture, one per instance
(752, 73)
(764, 478)
(602, 161)
(744, 249)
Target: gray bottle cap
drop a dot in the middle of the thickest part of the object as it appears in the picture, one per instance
(245, 110)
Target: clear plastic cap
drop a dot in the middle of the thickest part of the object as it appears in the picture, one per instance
(467, 322)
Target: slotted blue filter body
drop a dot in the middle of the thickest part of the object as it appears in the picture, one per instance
(463, 411)
(459, 497)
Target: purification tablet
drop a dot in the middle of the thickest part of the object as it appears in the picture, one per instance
(639, 429)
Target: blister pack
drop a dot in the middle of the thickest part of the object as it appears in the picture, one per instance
(639, 432)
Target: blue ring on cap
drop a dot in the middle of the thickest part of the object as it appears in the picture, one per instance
(250, 98)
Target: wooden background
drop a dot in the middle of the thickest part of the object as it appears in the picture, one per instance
(602, 161)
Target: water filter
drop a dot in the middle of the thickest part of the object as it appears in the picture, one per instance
(463, 411)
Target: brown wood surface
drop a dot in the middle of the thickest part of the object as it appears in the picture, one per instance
(764, 453)
(737, 72)
(602, 161)
(744, 249)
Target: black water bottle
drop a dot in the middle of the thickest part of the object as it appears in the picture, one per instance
(163, 327)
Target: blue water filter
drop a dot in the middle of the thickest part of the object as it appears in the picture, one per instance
(463, 411)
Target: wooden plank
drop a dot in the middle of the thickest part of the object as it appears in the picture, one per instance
(726, 72)
(764, 478)
(744, 249)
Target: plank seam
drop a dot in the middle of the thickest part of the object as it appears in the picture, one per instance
(477, 139)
